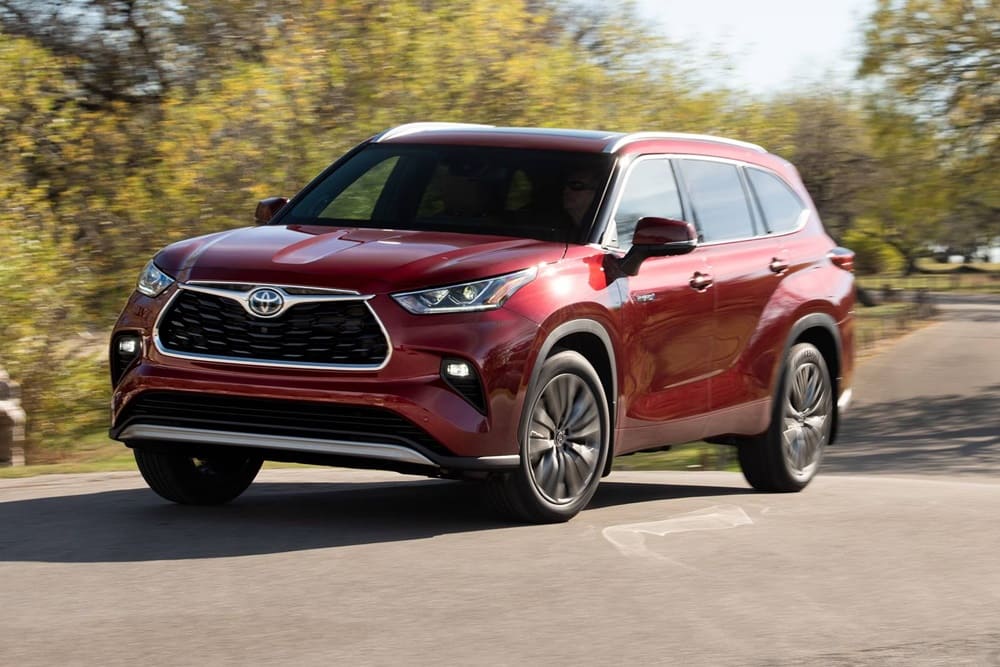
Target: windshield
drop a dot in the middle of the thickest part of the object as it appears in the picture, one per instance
(545, 195)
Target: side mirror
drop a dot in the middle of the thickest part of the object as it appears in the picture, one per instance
(658, 237)
(268, 208)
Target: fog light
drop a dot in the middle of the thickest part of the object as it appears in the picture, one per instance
(125, 349)
(457, 369)
(462, 377)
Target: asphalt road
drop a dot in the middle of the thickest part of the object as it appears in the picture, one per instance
(890, 557)
(930, 405)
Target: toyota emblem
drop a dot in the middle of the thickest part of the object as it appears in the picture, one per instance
(266, 302)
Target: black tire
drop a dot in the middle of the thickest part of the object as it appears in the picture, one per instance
(195, 481)
(786, 457)
(564, 438)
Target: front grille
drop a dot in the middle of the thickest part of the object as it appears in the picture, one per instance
(335, 333)
(281, 417)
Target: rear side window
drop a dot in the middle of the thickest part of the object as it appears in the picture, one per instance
(781, 206)
(718, 200)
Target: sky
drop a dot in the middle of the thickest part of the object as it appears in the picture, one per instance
(772, 45)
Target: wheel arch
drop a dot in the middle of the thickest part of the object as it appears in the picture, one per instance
(819, 330)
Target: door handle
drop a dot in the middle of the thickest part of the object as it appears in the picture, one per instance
(778, 264)
(701, 281)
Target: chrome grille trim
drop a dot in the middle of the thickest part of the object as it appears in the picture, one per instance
(292, 298)
(247, 287)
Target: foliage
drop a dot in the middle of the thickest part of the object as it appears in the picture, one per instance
(45, 343)
(872, 255)
(940, 60)
(942, 56)
(913, 197)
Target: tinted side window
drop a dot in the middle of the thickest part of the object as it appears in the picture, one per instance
(719, 202)
(649, 191)
(782, 207)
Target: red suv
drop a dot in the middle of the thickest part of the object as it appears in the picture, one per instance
(512, 305)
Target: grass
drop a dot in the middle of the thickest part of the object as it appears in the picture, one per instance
(886, 322)
(937, 277)
(690, 456)
(931, 266)
(93, 453)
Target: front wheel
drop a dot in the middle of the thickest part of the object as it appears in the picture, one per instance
(564, 438)
(190, 480)
(786, 457)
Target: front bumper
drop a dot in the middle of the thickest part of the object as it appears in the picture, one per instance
(497, 343)
(361, 451)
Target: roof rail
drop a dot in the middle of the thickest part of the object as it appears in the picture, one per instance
(410, 128)
(613, 146)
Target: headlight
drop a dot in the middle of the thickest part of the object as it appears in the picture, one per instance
(152, 281)
(480, 295)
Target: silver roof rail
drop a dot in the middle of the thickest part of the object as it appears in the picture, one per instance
(613, 146)
(410, 128)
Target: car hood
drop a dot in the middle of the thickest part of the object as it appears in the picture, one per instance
(369, 261)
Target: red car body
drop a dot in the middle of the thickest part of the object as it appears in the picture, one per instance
(690, 347)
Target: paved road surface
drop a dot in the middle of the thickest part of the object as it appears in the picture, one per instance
(891, 558)
(931, 403)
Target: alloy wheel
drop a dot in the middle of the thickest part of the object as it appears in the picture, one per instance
(564, 439)
(807, 419)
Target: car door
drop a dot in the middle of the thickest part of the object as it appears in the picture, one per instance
(747, 266)
(667, 319)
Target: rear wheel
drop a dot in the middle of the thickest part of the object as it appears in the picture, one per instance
(787, 456)
(564, 444)
(197, 481)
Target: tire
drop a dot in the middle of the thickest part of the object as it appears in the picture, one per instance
(564, 441)
(194, 481)
(786, 457)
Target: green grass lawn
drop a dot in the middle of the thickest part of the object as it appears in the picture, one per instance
(95, 453)
(931, 266)
(936, 277)
(92, 453)
(692, 456)
(884, 323)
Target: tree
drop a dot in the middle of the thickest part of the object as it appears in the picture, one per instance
(833, 152)
(911, 190)
(943, 56)
(135, 51)
(940, 60)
